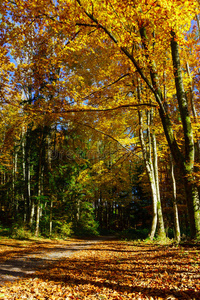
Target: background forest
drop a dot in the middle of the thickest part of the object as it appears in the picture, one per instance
(99, 118)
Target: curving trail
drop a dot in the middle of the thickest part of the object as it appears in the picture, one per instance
(105, 269)
(29, 262)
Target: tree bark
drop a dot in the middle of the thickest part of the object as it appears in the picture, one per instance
(151, 177)
(14, 178)
(152, 171)
(161, 227)
(175, 207)
(51, 218)
(39, 188)
(187, 166)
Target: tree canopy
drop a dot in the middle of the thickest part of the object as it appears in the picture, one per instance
(100, 115)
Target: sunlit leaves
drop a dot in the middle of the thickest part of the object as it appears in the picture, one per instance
(71, 68)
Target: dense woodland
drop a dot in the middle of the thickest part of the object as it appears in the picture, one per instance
(99, 118)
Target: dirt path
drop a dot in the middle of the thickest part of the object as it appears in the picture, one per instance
(28, 263)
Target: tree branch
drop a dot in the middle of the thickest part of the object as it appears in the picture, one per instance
(86, 25)
(106, 86)
(126, 52)
(108, 135)
(107, 109)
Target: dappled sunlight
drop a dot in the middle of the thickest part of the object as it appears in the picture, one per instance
(102, 272)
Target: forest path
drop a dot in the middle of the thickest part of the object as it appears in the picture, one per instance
(28, 262)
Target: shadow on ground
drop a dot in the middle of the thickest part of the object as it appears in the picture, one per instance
(25, 262)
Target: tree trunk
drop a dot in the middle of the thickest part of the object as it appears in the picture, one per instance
(51, 218)
(14, 178)
(187, 166)
(37, 218)
(150, 174)
(27, 180)
(161, 227)
(175, 207)
(32, 212)
(78, 210)
(152, 171)
(39, 190)
(26, 174)
(195, 117)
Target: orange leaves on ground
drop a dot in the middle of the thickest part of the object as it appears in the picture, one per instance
(116, 270)
(9, 248)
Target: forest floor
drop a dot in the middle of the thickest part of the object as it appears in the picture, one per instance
(19, 258)
(98, 269)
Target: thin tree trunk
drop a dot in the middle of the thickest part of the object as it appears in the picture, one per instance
(24, 174)
(32, 212)
(37, 218)
(161, 227)
(38, 205)
(175, 207)
(51, 197)
(78, 210)
(39, 192)
(14, 178)
(51, 218)
(27, 179)
(151, 177)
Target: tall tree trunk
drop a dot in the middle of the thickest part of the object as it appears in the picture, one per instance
(193, 203)
(26, 174)
(195, 117)
(37, 217)
(161, 227)
(14, 178)
(32, 212)
(38, 206)
(27, 180)
(152, 171)
(150, 174)
(51, 218)
(78, 210)
(186, 161)
(39, 190)
(48, 171)
(175, 207)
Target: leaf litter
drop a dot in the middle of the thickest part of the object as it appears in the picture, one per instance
(115, 270)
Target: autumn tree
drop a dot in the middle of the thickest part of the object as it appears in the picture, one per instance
(84, 58)
(154, 41)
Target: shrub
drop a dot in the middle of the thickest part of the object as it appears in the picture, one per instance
(86, 226)
(63, 229)
(21, 233)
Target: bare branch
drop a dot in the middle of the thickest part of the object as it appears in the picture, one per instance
(106, 86)
(108, 135)
(86, 25)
